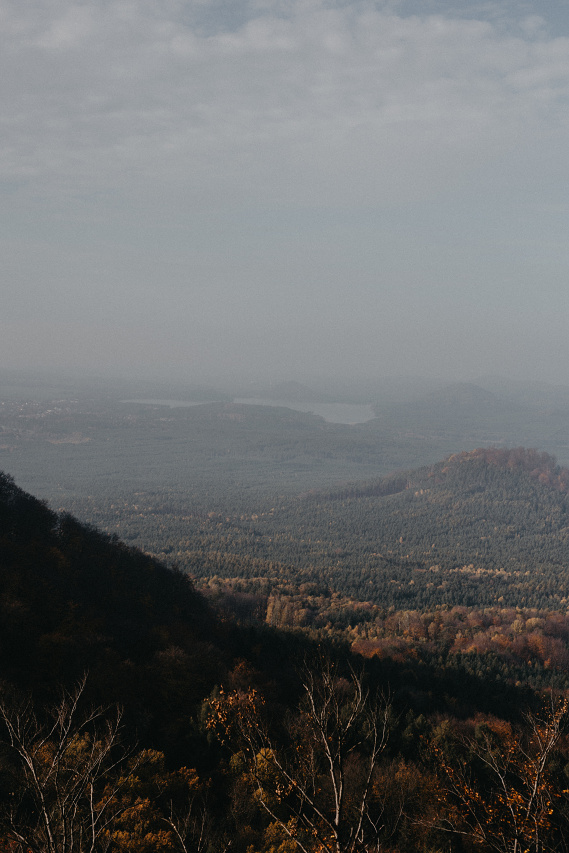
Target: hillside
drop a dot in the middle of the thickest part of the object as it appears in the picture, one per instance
(480, 528)
(202, 698)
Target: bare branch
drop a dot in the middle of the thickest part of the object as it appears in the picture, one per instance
(320, 776)
(65, 771)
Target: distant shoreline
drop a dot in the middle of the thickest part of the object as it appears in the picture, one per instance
(336, 413)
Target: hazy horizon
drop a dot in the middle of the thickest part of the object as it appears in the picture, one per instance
(300, 392)
(284, 189)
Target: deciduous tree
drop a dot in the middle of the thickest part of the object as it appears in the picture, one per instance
(503, 785)
(314, 779)
(62, 771)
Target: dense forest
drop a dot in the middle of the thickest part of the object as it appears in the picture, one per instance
(480, 528)
(309, 653)
(137, 715)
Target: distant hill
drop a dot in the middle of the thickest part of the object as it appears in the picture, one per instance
(538, 465)
(467, 415)
(540, 395)
(479, 528)
(460, 394)
(451, 403)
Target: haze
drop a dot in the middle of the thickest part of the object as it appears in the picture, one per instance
(285, 187)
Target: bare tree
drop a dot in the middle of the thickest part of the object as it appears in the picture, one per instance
(503, 789)
(316, 781)
(189, 819)
(64, 772)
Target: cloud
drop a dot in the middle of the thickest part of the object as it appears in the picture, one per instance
(315, 102)
(301, 165)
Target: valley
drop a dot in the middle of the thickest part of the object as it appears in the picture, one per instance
(285, 519)
(212, 569)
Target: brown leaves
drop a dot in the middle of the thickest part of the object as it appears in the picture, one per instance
(502, 781)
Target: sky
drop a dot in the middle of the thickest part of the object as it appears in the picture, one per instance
(285, 188)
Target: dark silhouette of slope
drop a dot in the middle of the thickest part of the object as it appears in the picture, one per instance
(74, 600)
(62, 581)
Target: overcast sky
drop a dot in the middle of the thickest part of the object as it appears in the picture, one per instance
(285, 187)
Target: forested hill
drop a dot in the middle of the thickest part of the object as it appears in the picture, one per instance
(72, 598)
(468, 464)
(478, 528)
